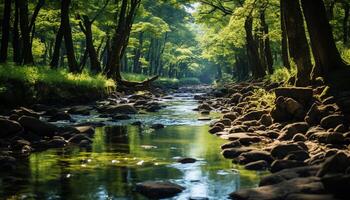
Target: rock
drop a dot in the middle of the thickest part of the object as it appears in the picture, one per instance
(253, 115)
(313, 116)
(266, 120)
(153, 108)
(231, 116)
(9, 127)
(60, 117)
(204, 107)
(328, 137)
(253, 156)
(257, 165)
(295, 108)
(121, 117)
(332, 121)
(85, 144)
(297, 155)
(22, 146)
(57, 143)
(299, 138)
(157, 126)
(80, 110)
(140, 102)
(225, 122)
(341, 128)
(186, 160)
(137, 123)
(204, 118)
(77, 138)
(337, 185)
(40, 128)
(7, 163)
(232, 144)
(236, 98)
(292, 129)
(279, 165)
(89, 130)
(119, 109)
(282, 190)
(158, 190)
(301, 196)
(335, 164)
(282, 150)
(243, 138)
(300, 94)
(27, 112)
(235, 152)
(215, 129)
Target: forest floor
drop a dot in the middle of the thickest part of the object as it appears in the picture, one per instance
(301, 135)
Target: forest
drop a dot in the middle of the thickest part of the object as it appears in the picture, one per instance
(126, 91)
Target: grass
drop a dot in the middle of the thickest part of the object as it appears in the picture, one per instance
(61, 77)
(266, 99)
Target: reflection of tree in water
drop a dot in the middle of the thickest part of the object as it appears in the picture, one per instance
(116, 138)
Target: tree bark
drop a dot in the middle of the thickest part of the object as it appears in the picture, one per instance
(27, 54)
(57, 47)
(67, 34)
(252, 50)
(326, 54)
(267, 47)
(16, 41)
(285, 54)
(138, 54)
(5, 31)
(297, 42)
(346, 22)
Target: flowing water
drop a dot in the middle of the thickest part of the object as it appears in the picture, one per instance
(123, 155)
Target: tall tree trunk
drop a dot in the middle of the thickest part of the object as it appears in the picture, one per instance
(67, 34)
(252, 50)
(57, 47)
(297, 42)
(138, 54)
(326, 54)
(5, 31)
(346, 22)
(16, 40)
(267, 47)
(27, 54)
(285, 54)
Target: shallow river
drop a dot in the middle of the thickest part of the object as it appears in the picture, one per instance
(123, 155)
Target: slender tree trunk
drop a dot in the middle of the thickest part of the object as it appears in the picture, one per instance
(16, 41)
(57, 47)
(5, 31)
(325, 52)
(67, 34)
(252, 50)
(27, 54)
(138, 54)
(267, 47)
(297, 42)
(285, 54)
(346, 23)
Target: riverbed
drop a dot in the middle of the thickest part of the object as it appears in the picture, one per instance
(123, 154)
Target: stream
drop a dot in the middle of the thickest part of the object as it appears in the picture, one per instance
(123, 155)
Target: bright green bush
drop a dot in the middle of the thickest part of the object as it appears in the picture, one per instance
(282, 74)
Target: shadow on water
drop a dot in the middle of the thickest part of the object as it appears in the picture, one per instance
(122, 156)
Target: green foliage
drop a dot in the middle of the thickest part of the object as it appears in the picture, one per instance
(61, 78)
(189, 81)
(264, 97)
(281, 74)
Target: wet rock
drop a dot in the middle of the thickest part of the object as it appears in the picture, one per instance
(186, 160)
(235, 152)
(137, 123)
(204, 107)
(282, 150)
(332, 121)
(119, 109)
(311, 197)
(61, 116)
(37, 126)
(204, 118)
(77, 138)
(257, 165)
(80, 110)
(153, 108)
(279, 165)
(27, 112)
(57, 143)
(253, 156)
(243, 138)
(266, 120)
(121, 117)
(253, 115)
(299, 138)
(231, 116)
(157, 189)
(335, 164)
(292, 129)
(232, 144)
(300, 94)
(7, 163)
(225, 122)
(157, 126)
(215, 129)
(9, 127)
(85, 144)
(328, 137)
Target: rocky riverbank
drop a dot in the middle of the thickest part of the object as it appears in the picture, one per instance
(27, 129)
(302, 137)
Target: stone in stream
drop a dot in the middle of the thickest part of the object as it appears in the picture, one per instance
(257, 165)
(80, 110)
(157, 126)
(158, 189)
(26, 111)
(37, 126)
(119, 109)
(121, 117)
(186, 160)
(9, 127)
(204, 118)
(235, 152)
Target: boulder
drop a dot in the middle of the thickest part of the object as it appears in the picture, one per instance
(290, 130)
(300, 94)
(253, 115)
(266, 120)
(232, 144)
(257, 165)
(158, 190)
(332, 121)
(253, 156)
(338, 185)
(215, 129)
(57, 143)
(26, 111)
(235, 152)
(279, 165)
(231, 116)
(80, 110)
(204, 107)
(77, 138)
(294, 108)
(282, 150)
(335, 164)
(328, 137)
(299, 138)
(119, 109)
(9, 127)
(37, 126)
(186, 160)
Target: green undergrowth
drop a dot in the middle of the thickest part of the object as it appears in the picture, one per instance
(30, 84)
(163, 82)
(282, 75)
(264, 98)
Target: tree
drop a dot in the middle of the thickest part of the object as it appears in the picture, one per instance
(326, 54)
(5, 31)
